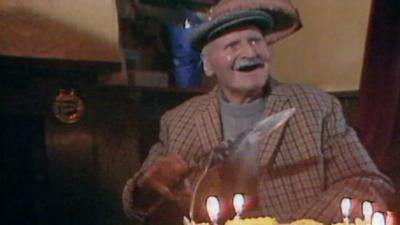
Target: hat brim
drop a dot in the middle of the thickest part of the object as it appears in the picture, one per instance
(214, 28)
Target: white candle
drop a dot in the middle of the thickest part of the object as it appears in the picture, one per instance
(345, 206)
(378, 218)
(238, 202)
(367, 210)
(213, 208)
(390, 218)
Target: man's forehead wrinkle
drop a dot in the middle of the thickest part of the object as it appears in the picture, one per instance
(236, 35)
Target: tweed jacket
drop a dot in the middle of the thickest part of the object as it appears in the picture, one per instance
(308, 165)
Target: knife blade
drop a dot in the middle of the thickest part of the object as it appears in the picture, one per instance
(235, 146)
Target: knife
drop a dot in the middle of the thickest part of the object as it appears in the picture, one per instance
(250, 136)
(230, 148)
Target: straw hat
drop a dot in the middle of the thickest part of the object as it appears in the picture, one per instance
(276, 18)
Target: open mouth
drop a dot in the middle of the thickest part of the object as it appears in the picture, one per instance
(248, 65)
(249, 68)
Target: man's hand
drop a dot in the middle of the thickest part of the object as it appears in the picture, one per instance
(167, 177)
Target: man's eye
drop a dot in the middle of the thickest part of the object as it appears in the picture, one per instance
(232, 45)
(254, 41)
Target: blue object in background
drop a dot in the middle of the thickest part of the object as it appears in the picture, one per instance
(187, 62)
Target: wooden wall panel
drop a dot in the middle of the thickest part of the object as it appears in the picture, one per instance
(71, 173)
(90, 161)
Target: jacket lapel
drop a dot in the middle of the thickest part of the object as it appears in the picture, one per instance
(268, 145)
(208, 123)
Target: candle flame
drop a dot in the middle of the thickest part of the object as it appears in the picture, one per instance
(238, 202)
(213, 208)
(345, 206)
(390, 218)
(367, 210)
(378, 218)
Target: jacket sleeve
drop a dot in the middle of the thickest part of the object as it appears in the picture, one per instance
(131, 209)
(349, 172)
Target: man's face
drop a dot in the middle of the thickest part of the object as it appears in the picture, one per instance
(240, 59)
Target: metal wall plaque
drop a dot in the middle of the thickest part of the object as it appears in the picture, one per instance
(68, 107)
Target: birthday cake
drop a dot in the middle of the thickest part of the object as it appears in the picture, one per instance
(250, 221)
(369, 216)
(273, 221)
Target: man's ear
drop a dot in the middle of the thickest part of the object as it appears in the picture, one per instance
(206, 66)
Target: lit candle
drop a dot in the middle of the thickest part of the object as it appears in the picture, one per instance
(345, 206)
(213, 209)
(378, 218)
(389, 218)
(367, 211)
(238, 202)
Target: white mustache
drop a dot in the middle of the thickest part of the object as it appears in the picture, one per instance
(246, 62)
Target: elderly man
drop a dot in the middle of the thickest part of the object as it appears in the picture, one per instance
(307, 166)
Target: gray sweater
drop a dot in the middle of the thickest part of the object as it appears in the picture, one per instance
(238, 118)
